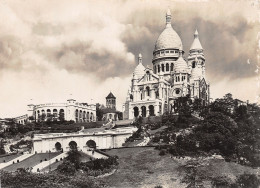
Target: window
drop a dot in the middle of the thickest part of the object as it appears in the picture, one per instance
(162, 67)
(171, 66)
(167, 67)
(167, 52)
(161, 52)
(148, 91)
(171, 51)
(193, 64)
(177, 91)
(158, 68)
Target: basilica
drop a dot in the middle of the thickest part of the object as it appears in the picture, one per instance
(156, 90)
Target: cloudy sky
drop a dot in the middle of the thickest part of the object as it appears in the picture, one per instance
(54, 50)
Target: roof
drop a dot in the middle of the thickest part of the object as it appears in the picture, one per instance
(168, 39)
(110, 95)
(196, 45)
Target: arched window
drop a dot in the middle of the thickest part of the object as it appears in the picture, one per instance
(171, 66)
(193, 64)
(162, 67)
(136, 111)
(141, 96)
(148, 91)
(158, 68)
(48, 112)
(167, 67)
(55, 113)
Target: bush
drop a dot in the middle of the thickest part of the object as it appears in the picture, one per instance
(67, 168)
(162, 152)
(248, 181)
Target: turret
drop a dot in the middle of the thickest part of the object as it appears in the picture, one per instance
(196, 59)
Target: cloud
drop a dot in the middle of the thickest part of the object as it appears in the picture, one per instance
(49, 50)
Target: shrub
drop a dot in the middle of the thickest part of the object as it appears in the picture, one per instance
(248, 181)
(162, 152)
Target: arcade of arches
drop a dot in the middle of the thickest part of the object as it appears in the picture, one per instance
(145, 111)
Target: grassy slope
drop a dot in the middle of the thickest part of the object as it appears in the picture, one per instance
(144, 167)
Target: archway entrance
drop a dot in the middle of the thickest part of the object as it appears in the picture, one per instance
(136, 111)
(151, 110)
(91, 144)
(143, 111)
(58, 146)
(73, 145)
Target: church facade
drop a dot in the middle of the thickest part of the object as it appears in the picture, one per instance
(156, 90)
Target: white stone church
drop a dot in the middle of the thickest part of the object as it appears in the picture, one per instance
(155, 91)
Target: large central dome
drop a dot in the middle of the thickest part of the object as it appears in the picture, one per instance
(168, 38)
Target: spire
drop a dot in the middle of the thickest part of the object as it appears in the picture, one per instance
(168, 18)
(196, 45)
(140, 58)
(196, 34)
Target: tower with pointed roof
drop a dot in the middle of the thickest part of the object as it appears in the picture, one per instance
(157, 90)
(196, 60)
(111, 101)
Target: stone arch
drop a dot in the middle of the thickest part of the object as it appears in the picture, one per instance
(151, 110)
(73, 145)
(58, 146)
(143, 108)
(55, 113)
(136, 111)
(48, 112)
(91, 144)
(61, 115)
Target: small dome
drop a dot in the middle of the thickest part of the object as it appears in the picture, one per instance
(139, 70)
(181, 65)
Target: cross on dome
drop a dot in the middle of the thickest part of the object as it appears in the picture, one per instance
(168, 18)
(140, 58)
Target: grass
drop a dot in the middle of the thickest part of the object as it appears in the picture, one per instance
(144, 167)
(31, 161)
(7, 158)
